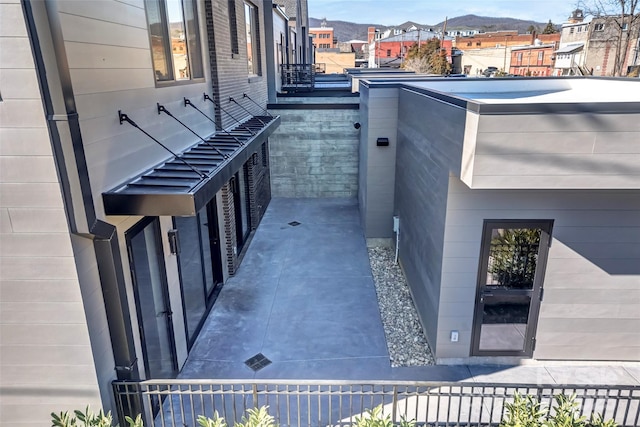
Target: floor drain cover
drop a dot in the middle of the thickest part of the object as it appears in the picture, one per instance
(257, 362)
(294, 223)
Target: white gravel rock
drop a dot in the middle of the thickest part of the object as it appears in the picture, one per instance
(405, 339)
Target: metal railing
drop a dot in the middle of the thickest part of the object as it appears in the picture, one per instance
(178, 403)
(298, 77)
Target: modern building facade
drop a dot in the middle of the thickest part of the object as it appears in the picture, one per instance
(518, 212)
(134, 166)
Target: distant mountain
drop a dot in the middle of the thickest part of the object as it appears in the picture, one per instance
(346, 31)
(486, 24)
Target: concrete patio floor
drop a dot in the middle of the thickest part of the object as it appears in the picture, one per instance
(304, 297)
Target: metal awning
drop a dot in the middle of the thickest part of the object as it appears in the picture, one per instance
(182, 185)
(571, 48)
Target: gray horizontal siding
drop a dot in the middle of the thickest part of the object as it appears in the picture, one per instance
(427, 153)
(46, 360)
(592, 292)
(579, 151)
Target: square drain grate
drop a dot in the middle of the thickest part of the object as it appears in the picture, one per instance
(294, 223)
(257, 362)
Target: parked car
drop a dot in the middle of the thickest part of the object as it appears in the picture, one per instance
(490, 71)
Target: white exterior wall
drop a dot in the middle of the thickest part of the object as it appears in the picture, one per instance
(480, 59)
(591, 287)
(46, 358)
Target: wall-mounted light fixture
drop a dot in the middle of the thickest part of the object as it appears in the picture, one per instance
(382, 142)
(174, 243)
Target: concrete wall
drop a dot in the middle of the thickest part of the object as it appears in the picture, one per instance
(591, 297)
(46, 357)
(428, 152)
(379, 119)
(314, 152)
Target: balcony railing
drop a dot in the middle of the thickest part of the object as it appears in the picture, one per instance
(297, 77)
(178, 403)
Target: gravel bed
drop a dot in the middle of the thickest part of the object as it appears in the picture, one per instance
(405, 339)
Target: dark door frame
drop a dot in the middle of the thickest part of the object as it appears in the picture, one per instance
(241, 238)
(216, 266)
(546, 225)
(129, 235)
(214, 238)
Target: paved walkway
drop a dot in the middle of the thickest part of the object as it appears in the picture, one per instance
(304, 298)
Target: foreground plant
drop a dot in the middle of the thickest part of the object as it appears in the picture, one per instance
(257, 417)
(526, 411)
(375, 418)
(216, 421)
(82, 419)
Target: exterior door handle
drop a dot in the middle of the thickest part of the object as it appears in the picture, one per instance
(167, 312)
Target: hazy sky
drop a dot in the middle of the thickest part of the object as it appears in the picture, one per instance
(430, 12)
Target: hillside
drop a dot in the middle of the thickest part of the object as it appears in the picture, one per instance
(345, 31)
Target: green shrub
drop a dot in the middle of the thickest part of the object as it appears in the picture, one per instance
(526, 411)
(375, 418)
(216, 421)
(82, 419)
(257, 417)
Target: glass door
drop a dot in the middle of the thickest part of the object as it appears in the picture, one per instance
(510, 280)
(200, 265)
(152, 298)
(192, 274)
(241, 204)
(210, 236)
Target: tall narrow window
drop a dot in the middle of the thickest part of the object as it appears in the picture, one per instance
(251, 25)
(175, 40)
(233, 26)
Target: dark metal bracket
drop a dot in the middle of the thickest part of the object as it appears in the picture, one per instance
(122, 117)
(247, 111)
(244, 95)
(215, 126)
(208, 98)
(162, 109)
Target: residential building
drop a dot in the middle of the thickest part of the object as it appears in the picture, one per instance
(298, 13)
(333, 61)
(323, 37)
(515, 205)
(134, 166)
(536, 60)
(389, 52)
(494, 49)
(613, 45)
(570, 56)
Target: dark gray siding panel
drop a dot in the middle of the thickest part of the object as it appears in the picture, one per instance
(428, 152)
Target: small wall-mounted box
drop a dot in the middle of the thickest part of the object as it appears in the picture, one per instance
(382, 142)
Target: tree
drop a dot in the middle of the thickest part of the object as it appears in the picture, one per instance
(621, 20)
(514, 256)
(532, 29)
(427, 58)
(550, 28)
